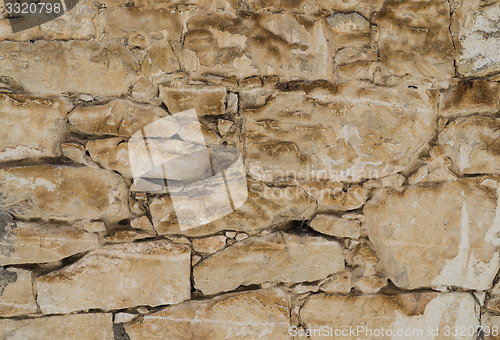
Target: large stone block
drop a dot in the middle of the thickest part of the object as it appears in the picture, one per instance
(16, 292)
(119, 276)
(445, 235)
(63, 193)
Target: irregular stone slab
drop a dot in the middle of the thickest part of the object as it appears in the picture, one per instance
(438, 236)
(102, 69)
(264, 208)
(335, 226)
(261, 314)
(34, 242)
(210, 244)
(16, 292)
(349, 132)
(64, 193)
(473, 144)
(275, 257)
(159, 60)
(389, 317)
(414, 40)
(118, 117)
(122, 21)
(111, 154)
(74, 326)
(475, 29)
(31, 127)
(119, 276)
(257, 45)
(470, 97)
(207, 100)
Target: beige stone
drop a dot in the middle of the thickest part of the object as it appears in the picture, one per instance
(490, 326)
(205, 100)
(348, 132)
(64, 327)
(111, 154)
(159, 59)
(210, 244)
(470, 97)
(76, 152)
(437, 236)
(35, 242)
(103, 69)
(16, 292)
(475, 28)
(380, 316)
(64, 193)
(335, 226)
(90, 226)
(473, 144)
(413, 39)
(261, 314)
(275, 257)
(348, 22)
(118, 276)
(142, 223)
(32, 127)
(265, 207)
(117, 118)
(128, 235)
(337, 283)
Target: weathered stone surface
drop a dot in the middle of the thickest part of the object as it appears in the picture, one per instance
(388, 315)
(414, 40)
(75, 24)
(16, 292)
(34, 242)
(335, 226)
(476, 28)
(470, 97)
(205, 100)
(264, 208)
(210, 244)
(160, 59)
(111, 154)
(31, 127)
(123, 21)
(257, 45)
(74, 66)
(348, 132)
(275, 257)
(117, 118)
(439, 236)
(473, 144)
(261, 314)
(118, 276)
(67, 327)
(63, 193)
(490, 326)
(76, 152)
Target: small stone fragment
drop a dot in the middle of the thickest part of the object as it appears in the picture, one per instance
(210, 244)
(208, 100)
(335, 226)
(16, 293)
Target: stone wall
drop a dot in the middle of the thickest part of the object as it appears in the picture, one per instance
(397, 100)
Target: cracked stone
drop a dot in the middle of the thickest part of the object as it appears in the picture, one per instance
(335, 226)
(119, 276)
(16, 293)
(207, 100)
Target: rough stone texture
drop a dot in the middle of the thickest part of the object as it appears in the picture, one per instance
(417, 312)
(247, 315)
(34, 242)
(63, 193)
(205, 100)
(111, 154)
(73, 67)
(275, 257)
(490, 326)
(445, 235)
(476, 28)
(349, 132)
(32, 127)
(16, 292)
(209, 245)
(118, 276)
(335, 226)
(67, 327)
(117, 117)
(473, 144)
(470, 97)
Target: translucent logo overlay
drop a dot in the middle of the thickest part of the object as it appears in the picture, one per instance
(170, 155)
